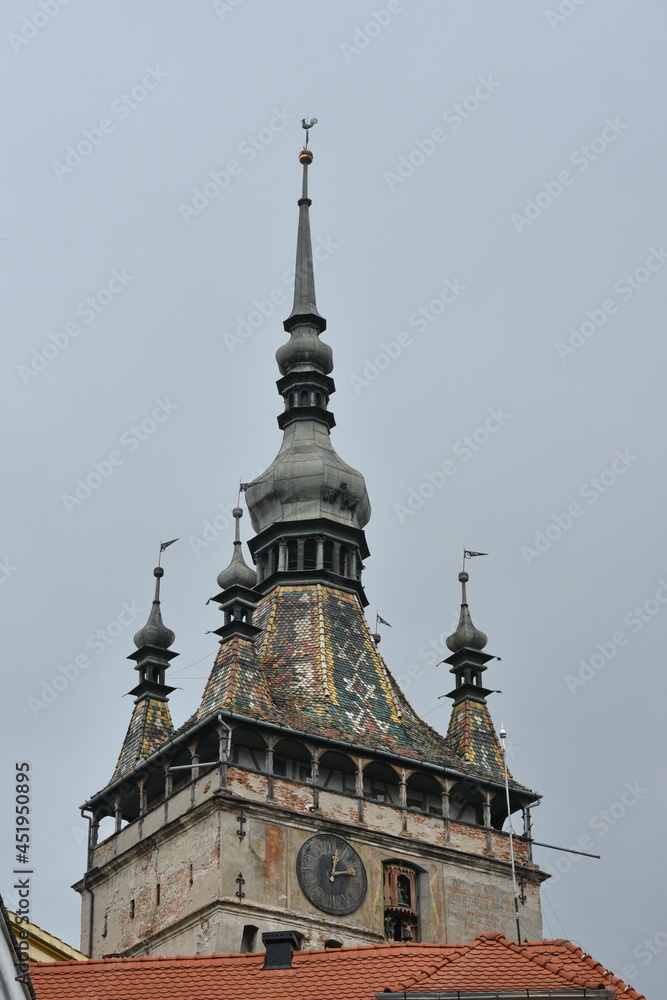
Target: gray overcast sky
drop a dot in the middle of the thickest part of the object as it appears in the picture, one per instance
(489, 213)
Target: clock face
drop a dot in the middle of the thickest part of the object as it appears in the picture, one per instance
(331, 874)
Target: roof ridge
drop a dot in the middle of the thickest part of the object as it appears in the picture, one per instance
(607, 974)
(551, 963)
(126, 959)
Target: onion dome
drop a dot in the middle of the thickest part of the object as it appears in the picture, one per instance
(307, 480)
(155, 632)
(466, 635)
(238, 573)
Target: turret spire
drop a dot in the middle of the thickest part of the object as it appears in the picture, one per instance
(151, 723)
(466, 635)
(238, 571)
(471, 730)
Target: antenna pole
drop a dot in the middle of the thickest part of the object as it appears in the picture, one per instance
(503, 734)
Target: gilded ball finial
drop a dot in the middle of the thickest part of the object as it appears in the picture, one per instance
(305, 156)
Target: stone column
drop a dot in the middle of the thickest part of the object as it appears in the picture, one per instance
(194, 773)
(168, 789)
(118, 815)
(445, 810)
(528, 832)
(269, 771)
(315, 777)
(486, 814)
(359, 782)
(93, 831)
(403, 801)
(224, 742)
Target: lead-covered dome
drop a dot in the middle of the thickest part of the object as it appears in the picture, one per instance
(307, 480)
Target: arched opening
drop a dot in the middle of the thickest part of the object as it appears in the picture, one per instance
(333, 943)
(292, 760)
(424, 794)
(328, 555)
(179, 770)
(310, 554)
(465, 804)
(105, 829)
(381, 783)
(292, 554)
(337, 773)
(248, 749)
(303, 399)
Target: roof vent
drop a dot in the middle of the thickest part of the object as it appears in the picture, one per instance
(279, 947)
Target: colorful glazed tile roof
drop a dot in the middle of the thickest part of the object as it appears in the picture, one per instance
(472, 735)
(149, 727)
(490, 963)
(320, 672)
(315, 668)
(237, 680)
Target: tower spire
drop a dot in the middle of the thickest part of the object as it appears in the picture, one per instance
(304, 307)
(309, 507)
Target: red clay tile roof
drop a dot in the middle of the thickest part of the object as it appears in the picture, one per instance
(491, 962)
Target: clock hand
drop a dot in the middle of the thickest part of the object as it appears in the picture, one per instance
(334, 865)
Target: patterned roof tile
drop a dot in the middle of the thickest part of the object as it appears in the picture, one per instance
(149, 727)
(472, 735)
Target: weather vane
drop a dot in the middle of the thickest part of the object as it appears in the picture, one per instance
(468, 554)
(307, 125)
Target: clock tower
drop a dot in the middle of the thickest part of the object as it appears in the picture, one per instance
(304, 795)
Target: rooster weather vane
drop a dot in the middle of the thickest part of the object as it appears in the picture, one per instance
(308, 125)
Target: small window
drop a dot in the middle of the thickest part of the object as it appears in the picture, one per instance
(131, 909)
(157, 894)
(332, 943)
(279, 767)
(248, 938)
(401, 919)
